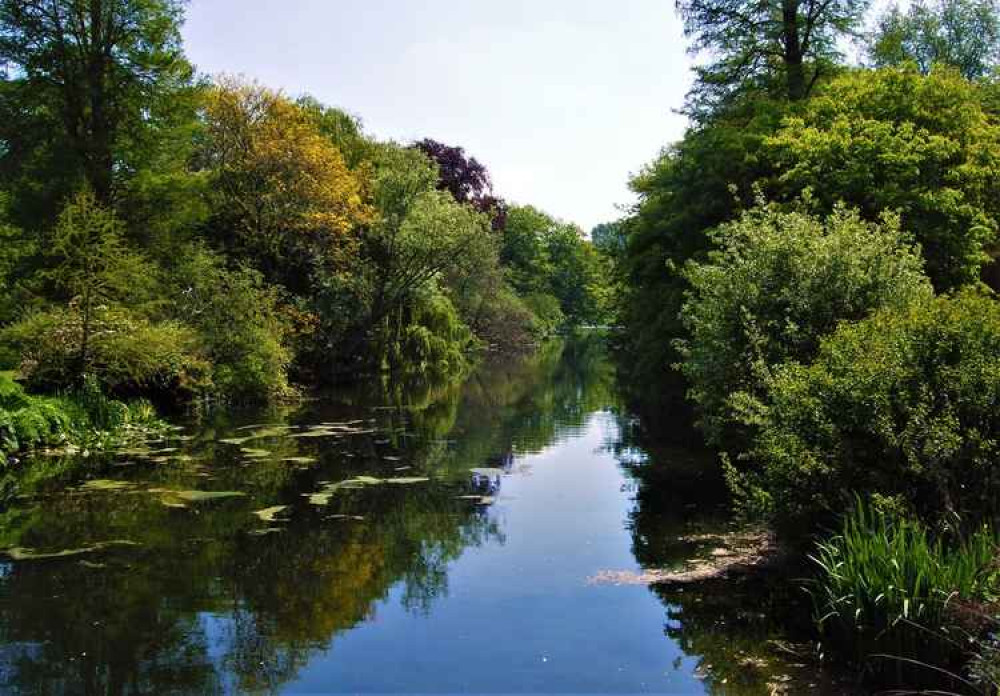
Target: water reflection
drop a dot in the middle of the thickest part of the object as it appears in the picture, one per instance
(393, 537)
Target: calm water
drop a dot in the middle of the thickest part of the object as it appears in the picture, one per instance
(436, 538)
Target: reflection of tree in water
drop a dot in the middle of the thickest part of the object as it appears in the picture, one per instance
(733, 626)
(200, 605)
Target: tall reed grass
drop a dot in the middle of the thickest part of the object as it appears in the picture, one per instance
(905, 605)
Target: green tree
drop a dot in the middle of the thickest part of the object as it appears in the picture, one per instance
(894, 139)
(93, 264)
(964, 34)
(104, 68)
(778, 283)
(783, 46)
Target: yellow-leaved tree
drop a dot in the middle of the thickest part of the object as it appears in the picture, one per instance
(284, 195)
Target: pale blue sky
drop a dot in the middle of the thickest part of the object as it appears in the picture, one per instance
(561, 99)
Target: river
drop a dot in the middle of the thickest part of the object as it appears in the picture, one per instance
(426, 538)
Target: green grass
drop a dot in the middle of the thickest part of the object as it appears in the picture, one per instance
(889, 595)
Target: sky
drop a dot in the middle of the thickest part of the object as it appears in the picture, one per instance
(561, 99)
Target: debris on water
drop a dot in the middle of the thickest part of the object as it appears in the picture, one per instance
(738, 553)
(265, 531)
(253, 453)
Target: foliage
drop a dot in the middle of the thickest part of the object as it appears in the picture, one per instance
(777, 284)
(239, 323)
(83, 418)
(782, 48)
(964, 34)
(465, 178)
(894, 139)
(286, 198)
(887, 591)
(127, 353)
(544, 256)
(903, 404)
(692, 187)
(103, 73)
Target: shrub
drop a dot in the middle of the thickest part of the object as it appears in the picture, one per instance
(777, 284)
(887, 593)
(904, 404)
(239, 326)
(127, 354)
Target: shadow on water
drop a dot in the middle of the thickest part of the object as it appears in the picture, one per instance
(240, 552)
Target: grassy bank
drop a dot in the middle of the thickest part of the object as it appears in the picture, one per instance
(81, 419)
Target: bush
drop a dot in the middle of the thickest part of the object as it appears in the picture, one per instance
(239, 326)
(777, 284)
(887, 593)
(127, 354)
(904, 404)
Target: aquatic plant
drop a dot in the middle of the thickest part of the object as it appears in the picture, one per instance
(897, 600)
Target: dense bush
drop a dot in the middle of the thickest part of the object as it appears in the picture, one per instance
(128, 354)
(888, 593)
(904, 404)
(239, 325)
(777, 284)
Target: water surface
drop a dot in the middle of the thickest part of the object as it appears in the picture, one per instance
(433, 537)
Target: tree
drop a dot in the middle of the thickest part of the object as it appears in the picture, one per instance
(778, 283)
(893, 139)
(781, 45)
(104, 66)
(465, 178)
(93, 264)
(285, 196)
(421, 233)
(964, 34)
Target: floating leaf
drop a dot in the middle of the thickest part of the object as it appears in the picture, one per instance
(255, 453)
(25, 554)
(269, 514)
(106, 485)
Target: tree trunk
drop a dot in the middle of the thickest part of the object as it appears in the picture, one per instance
(792, 51)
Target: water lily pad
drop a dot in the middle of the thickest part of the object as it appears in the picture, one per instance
(19, 553)
(255, 453)
(269, 514)
(106, 485)
(264, 532)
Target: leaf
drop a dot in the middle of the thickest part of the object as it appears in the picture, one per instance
(105, 485)
(19, 553)
(269, 514)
